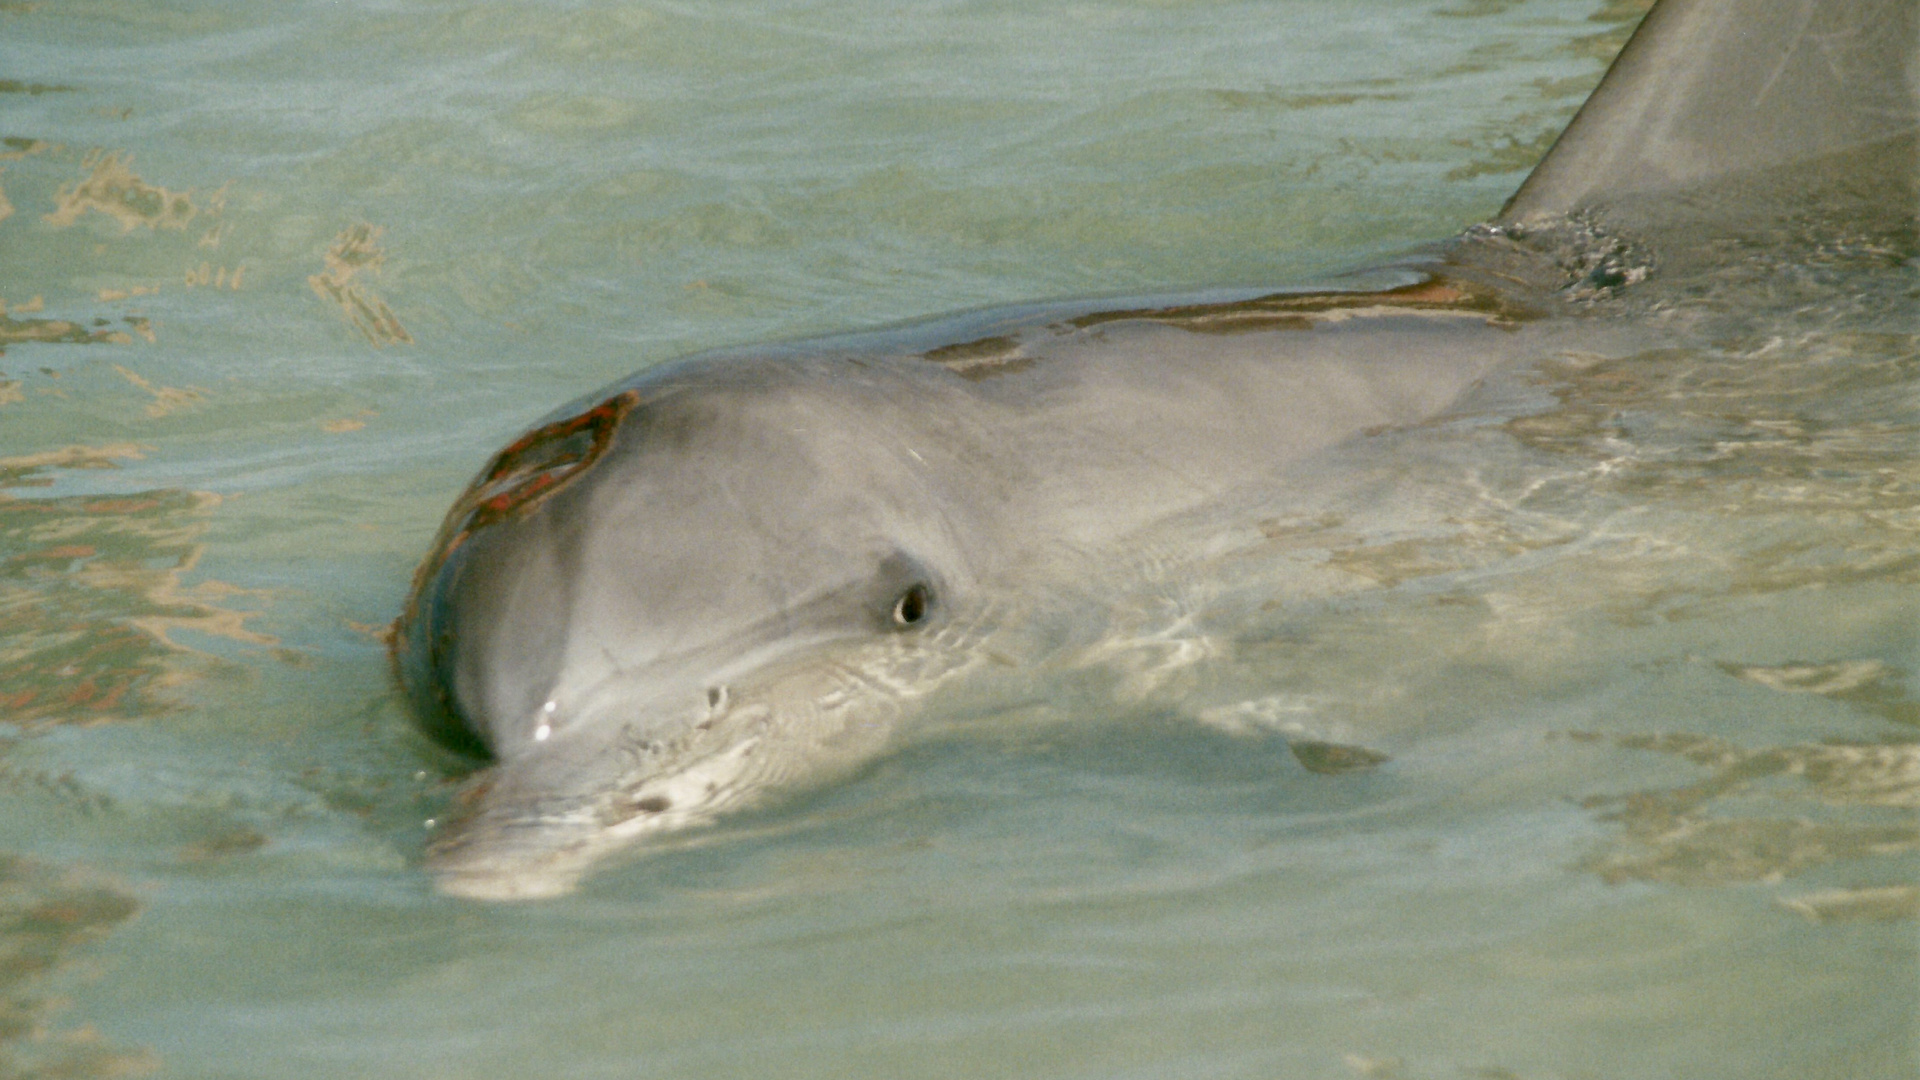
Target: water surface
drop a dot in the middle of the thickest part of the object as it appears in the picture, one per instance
(1636, 627)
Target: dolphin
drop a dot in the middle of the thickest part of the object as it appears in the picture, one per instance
(738, 574)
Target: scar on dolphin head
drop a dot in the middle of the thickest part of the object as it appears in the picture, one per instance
(543, 461)
(742, 573)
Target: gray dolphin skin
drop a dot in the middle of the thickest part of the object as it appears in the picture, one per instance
(739, 574)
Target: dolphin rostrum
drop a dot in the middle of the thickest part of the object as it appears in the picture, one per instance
(734, 574)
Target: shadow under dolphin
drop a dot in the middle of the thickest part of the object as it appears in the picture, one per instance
(736, 574)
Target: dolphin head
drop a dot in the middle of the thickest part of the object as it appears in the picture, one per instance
(632, 602)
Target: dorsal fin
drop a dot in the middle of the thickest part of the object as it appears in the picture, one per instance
(1708, 89)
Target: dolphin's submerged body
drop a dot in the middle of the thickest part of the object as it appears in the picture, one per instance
(736, 574)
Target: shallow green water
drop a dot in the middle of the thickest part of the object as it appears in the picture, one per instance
(1638, 630)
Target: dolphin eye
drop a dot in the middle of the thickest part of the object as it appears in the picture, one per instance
(912, 606)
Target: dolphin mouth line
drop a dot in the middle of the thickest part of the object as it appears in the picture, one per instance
(625, 689)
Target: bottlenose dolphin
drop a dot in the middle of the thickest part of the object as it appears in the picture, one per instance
(735, 574)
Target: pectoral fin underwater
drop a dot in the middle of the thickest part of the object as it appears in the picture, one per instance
(744, 573)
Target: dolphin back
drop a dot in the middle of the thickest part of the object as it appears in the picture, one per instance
(1708, 90)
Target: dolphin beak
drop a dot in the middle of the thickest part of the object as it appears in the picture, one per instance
(499, 841)
(501, 865)
(531, 826)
